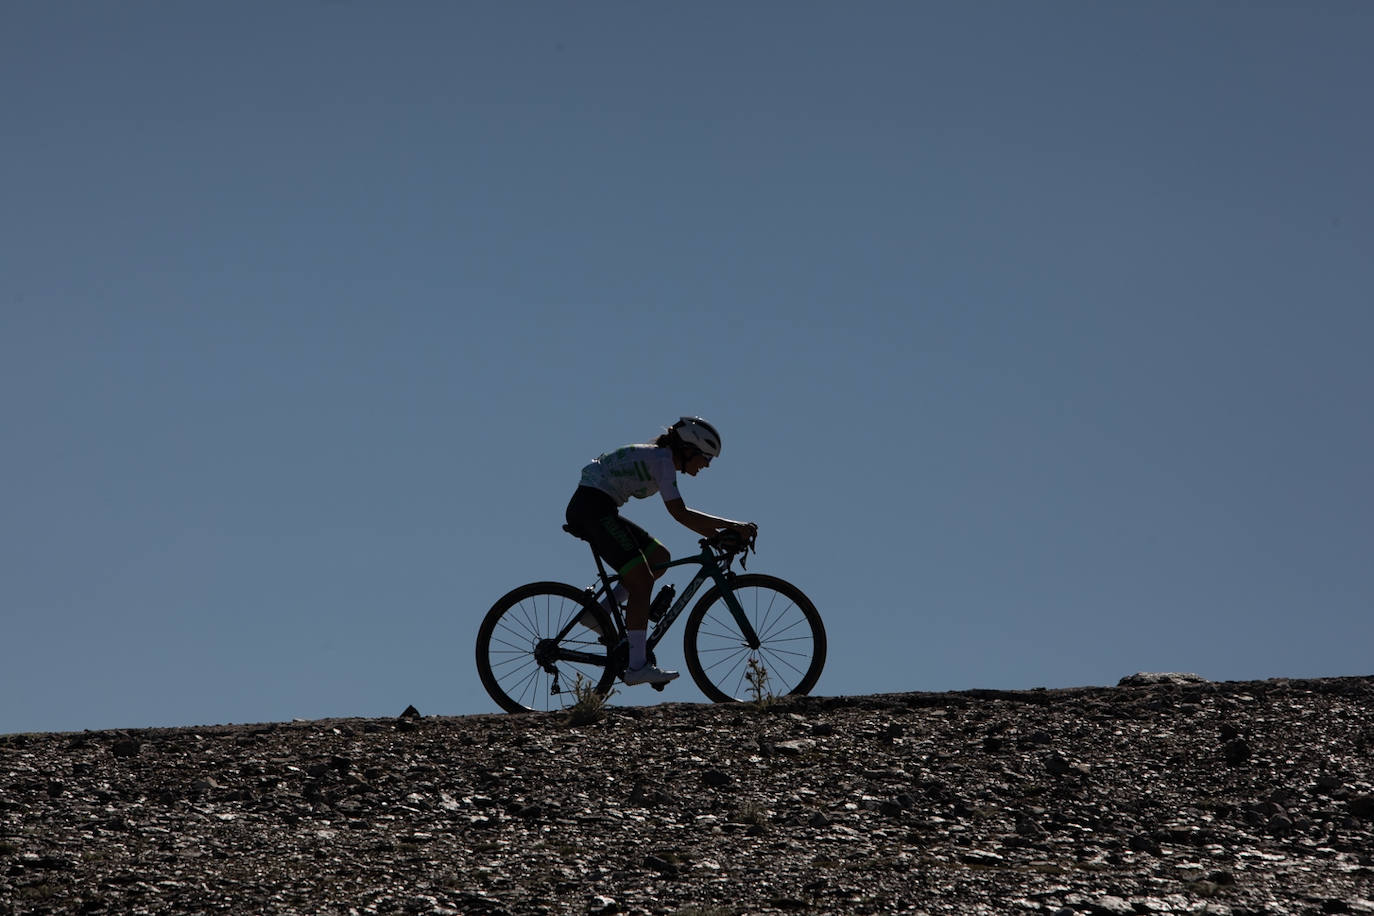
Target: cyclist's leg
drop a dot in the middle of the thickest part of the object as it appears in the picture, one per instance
(629, 549)
(639, 576)
(635, 555)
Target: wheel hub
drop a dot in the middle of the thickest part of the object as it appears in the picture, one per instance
(544, 654)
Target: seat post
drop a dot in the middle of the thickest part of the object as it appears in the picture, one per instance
(600, 568)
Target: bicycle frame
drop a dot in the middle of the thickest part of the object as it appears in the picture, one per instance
(710, 569)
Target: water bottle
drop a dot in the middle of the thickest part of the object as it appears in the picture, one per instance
(661, 602)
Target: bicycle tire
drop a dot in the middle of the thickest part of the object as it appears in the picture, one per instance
(521, 624)
(791, 633)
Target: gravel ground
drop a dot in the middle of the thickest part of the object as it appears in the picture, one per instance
(1167, 794)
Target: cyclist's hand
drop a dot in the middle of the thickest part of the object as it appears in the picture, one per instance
(745, 532)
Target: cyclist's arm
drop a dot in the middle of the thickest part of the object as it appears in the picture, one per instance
(700, 522)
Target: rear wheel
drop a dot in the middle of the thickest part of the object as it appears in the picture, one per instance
(523, 664)
(790, 650)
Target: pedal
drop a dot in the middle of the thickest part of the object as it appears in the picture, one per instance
(658, 687)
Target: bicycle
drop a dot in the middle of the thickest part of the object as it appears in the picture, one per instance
(542, 645)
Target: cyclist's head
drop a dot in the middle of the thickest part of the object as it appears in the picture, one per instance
(693, 435)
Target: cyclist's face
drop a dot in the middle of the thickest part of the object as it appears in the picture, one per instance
(696, 463)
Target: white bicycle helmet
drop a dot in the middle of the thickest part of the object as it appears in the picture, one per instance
(699, 434)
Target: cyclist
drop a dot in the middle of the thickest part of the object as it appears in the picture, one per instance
(639, 471)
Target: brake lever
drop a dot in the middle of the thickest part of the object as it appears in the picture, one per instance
(747, 545)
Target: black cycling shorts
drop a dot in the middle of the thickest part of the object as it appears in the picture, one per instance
(594, 516)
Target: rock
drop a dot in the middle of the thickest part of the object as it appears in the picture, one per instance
(1236, 751)
(1057, 765)
(890, 808)
(1143, 843)
(1156, 678)
(1110, 906)
(794, 748)
(716, 779)
(126, 747)
(1328, 783)
(645, 796)
(410, 712)
(661, 865)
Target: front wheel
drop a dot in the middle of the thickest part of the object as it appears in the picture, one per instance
(523, 662)
(790, 649)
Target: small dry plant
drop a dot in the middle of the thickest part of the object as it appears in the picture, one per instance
(759, 687)
(753, 813)
(588, 704)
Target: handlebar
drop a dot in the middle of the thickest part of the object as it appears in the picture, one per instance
(729, 542)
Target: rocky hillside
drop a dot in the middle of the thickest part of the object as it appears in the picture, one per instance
(1165, 795)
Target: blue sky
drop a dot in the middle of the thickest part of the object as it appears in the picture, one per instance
(1038, 335)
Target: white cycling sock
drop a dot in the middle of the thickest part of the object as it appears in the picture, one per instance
(619, 593)
(637, 652)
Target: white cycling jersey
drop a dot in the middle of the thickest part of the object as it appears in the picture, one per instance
(635, 470)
